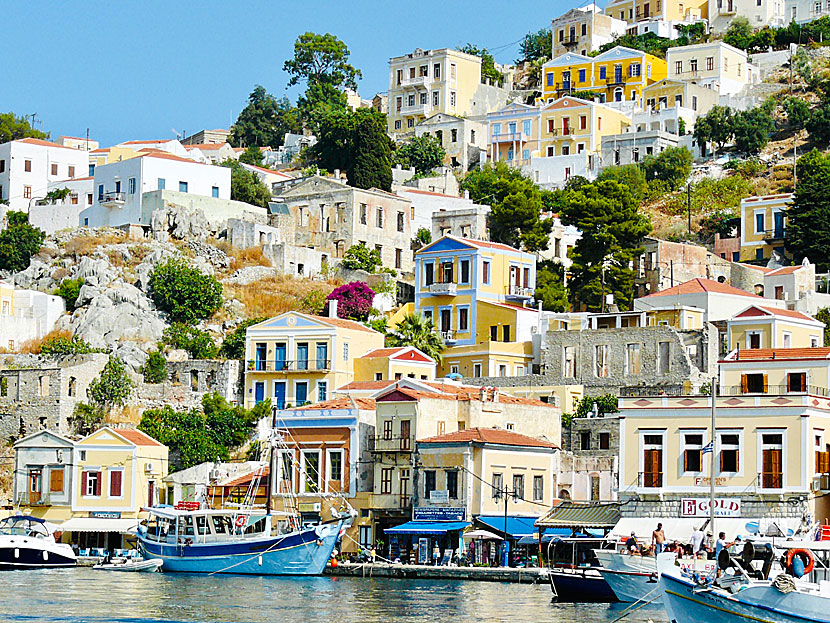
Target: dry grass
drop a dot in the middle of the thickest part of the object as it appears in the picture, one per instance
(86, 245)
(32, 347)
(252, 256)
(60, 274)
(275, 295)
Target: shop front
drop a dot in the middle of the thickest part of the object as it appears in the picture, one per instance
(433, 537)
(106, 531)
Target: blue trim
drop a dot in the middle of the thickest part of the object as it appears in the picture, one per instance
(435, 528)
(517, 526)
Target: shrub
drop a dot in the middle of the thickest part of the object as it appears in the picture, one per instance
(155, 368)
(354, 300)
(314, 302)
(68, 290)
(233, 346)
(358, 257)
(184, 292)
(198, 344)
(112, 387)
(672, 165)
(64, 345)
(18, 242)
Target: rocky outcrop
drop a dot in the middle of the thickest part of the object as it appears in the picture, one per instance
(181, 223)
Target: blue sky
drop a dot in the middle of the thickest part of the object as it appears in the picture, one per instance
(130, 69)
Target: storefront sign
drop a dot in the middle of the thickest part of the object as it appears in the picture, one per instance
(439, 497)
(105, 514)
(699, 507)
(438, 513)
(720, 481)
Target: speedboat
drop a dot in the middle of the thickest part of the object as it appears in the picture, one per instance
(574, 573)
(739, 596)
(29, 543)
(129, 565)
(236, 541)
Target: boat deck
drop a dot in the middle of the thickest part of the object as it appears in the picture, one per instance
(532, 575)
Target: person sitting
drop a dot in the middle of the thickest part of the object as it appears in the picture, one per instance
(632, 545)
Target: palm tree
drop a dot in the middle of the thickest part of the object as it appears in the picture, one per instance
(418, 331)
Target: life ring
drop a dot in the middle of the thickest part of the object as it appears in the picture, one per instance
(809, 563)
(240, 521)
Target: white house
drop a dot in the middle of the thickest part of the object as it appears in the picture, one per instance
(760, 13)
(267, 176)
(28, 165)
(53, 216)
(120, 186)
(26, 315)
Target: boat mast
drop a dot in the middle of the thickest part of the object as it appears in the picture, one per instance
(714, 394)
(272, 462)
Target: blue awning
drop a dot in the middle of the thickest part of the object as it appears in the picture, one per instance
(428, 527)
(516, 526)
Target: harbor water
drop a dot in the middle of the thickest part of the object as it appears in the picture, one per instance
(85, 595)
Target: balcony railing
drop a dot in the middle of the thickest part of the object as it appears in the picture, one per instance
(295, 365)
(509, 137)
(570, 40)
(615, 80)
(729, 9)
(393, 443)
(29, 498)
(418, 81)
(775, 234)
(448, 288)
(562, 131)
(770, 480)
(773, 390)
(519, 291)
(417, 109)
(563, 86)
(447, 336)
(650, 480)
(668, 391)
(112, 199)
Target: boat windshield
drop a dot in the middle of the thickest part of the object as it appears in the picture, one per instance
(23, 526)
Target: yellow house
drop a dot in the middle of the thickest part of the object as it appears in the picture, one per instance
(514, 134)
(670, 93)
(6, 299)
(385, 364)
(298, 358)
(764, 226)
(574, 126)
(759, 326)
(620, 9)
(618, 75)
(474, 292)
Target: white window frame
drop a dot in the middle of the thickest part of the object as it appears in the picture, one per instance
(303, 454)
(641, 464)
(96, 470)
(628, 371)
(755, 214)
(477, 369)
(110, 471)
(329, 453)
(565, 362)
(720, 446)
(749, 335)
(325, 386)
(687, 446)
(280, 472)
(787, 339)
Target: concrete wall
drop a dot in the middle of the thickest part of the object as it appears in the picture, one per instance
(463, 222)
(217, 211)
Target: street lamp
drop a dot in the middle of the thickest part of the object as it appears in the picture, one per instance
(505, 494)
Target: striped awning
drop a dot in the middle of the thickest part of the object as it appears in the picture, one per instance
(571, 514)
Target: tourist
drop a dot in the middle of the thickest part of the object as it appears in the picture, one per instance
(658, 539)
(373, 554)
(631, 544)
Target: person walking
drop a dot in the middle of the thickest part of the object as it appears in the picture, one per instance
(658, 539)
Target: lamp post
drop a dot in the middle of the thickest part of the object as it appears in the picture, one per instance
(504, 493)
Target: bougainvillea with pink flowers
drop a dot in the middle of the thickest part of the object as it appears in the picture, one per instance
(354, 300)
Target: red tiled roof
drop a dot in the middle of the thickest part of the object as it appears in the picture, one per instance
(341, 403)
(247, 478)
(102, 150)
(775, 311)
(205, 146)
(785, 270)
(158, 153)
(490, 245)
(763, 354)
(490, 435)
(450, 391)
(264, 170)
(137, 437)
(763, 269)
(365, 385)
(342, 322)
(164, 140)
(42, 143)
(400, 352)
(698, 285)
(428, 192)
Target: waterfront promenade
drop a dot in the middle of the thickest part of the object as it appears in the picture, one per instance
(533, 575)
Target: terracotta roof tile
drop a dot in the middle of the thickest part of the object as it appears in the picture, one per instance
(785, 270)
(451, 391)
(417, 191)
(365, 385)
(400, 352)
(698, 285)
(247, 478)
(342, 322)
(490, 435)
(763, 354)
(137, 437)
(158, 153)
(340, 403)
(42, 143)
(205, 146)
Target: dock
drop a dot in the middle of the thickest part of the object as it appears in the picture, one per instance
(532, 575)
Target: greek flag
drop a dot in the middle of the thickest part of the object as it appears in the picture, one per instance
(708, 448)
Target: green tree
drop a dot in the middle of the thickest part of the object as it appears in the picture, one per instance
(19, 242)
(818, 124)
(198, 344)
(550, 286)
(715, 127)
(752, 129)
(695, 33)
(612, 229)
(823, 315)
(605, 404)
(355, 142)
(252, 155)
(155, 368)
(184, 292)
(808, 219)
(62, 345)
(798, 112)
(488, 64)
(13, 128)
(739, 33)
(673, 165)
(425, 153)
(536, 46)
(418, 331)
(264, 121)
(246, 185)
(631, 175)
(58, 194)
(359, 257)
(112, 387)
(68, 290)
(233, 346)
(423, 237)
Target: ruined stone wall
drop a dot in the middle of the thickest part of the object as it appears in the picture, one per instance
(188, 381)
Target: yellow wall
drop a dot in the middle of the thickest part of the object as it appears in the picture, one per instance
(504, 139)
(515, 357)
(727, 62)
(772, 331)
(6, 299)
(775, 374)
(367, 369)
(668, 90)
(598, 121)
(752, 238)
(510, 463)
(113, 154)
(677, 318)
(622, 9)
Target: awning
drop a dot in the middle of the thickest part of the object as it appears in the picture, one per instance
(681, 528)
(435, 528)
(569, 514)
(92, 524)
(517, 526)
(485, 535)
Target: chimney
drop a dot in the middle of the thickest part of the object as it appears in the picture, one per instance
(466, 194)
(333, 308)
(482, 393)
(495, 394)
(337, 174)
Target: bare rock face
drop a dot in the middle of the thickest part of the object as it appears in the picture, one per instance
(181, 223)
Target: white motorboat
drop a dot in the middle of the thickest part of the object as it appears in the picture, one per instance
(29, 543)
(122, 565)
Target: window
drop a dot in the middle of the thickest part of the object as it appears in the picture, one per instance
(35, 485)
(116, 476)
(397, 127)
(465, 271)
(71, 171)
(797, 382)
(788, 339)
(583, 122)
(463, 319)
(759, 223)
(310, 470)
(678, 67)
(771, 451)
(182, 187)
(506, 333)
(569, 362)
(634, 70)
(632, 359)
(693, 452)
(364, 209)
(452, 99)
(476, 370)
(518, 486)
(429, 482)
(585, 440)
(436, 71)
(56, 479)
(601, 360)
(605, 441)
(90, 483)
(498, 485)
(27, 166)
(27, 192)
(322, 387)
(485, 272)
(693, 65)
(400, 223)
(335, 465)
(729, 459)
(386, 480)
(379, 217)
(538, 488)
(663, 357)
(398, 258)
(602, 74)
(452, 484)
(429, 274)
(754, 383)
(2, 166)
(652, 460)
(422, 99)
(131, 185)
(494, 333)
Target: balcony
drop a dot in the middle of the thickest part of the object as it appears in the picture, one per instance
(650, 480)
(447, 336)
(564, 87)
(112, 200)
(443, 289)
(418, 81)
(774, 235)
(569, 41)
(298, 365)
(562, 131)
(774, 390)
(417, 109)
(519, 292)
(510, 137)
(620, 79)
(393, 443)
(32, 498)
(729, 9)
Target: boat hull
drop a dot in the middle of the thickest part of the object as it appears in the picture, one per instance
(305, 552)
(631, 586)
(142, 566)
(580, 585)
(30, 557)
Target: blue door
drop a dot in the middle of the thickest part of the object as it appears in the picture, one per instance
(778, 221)
(279, 356)
(259, 392)
(322, 356)
(279, 394)
(618, 74)
(261, 353)
(302, 393)
(302, 356)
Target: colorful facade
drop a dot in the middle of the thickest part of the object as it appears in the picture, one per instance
(514, 134)
(764, 226)
(715, 65)
(386, 364)
(759, 326)
(575, 126)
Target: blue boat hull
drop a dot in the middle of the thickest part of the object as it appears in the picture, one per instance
(586, 586)
(300, 553)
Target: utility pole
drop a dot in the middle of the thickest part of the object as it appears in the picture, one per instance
(602, 302)
(795, 135)
(689, 204)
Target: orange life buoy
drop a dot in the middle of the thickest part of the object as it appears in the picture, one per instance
(240, 521)
(804, 553)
